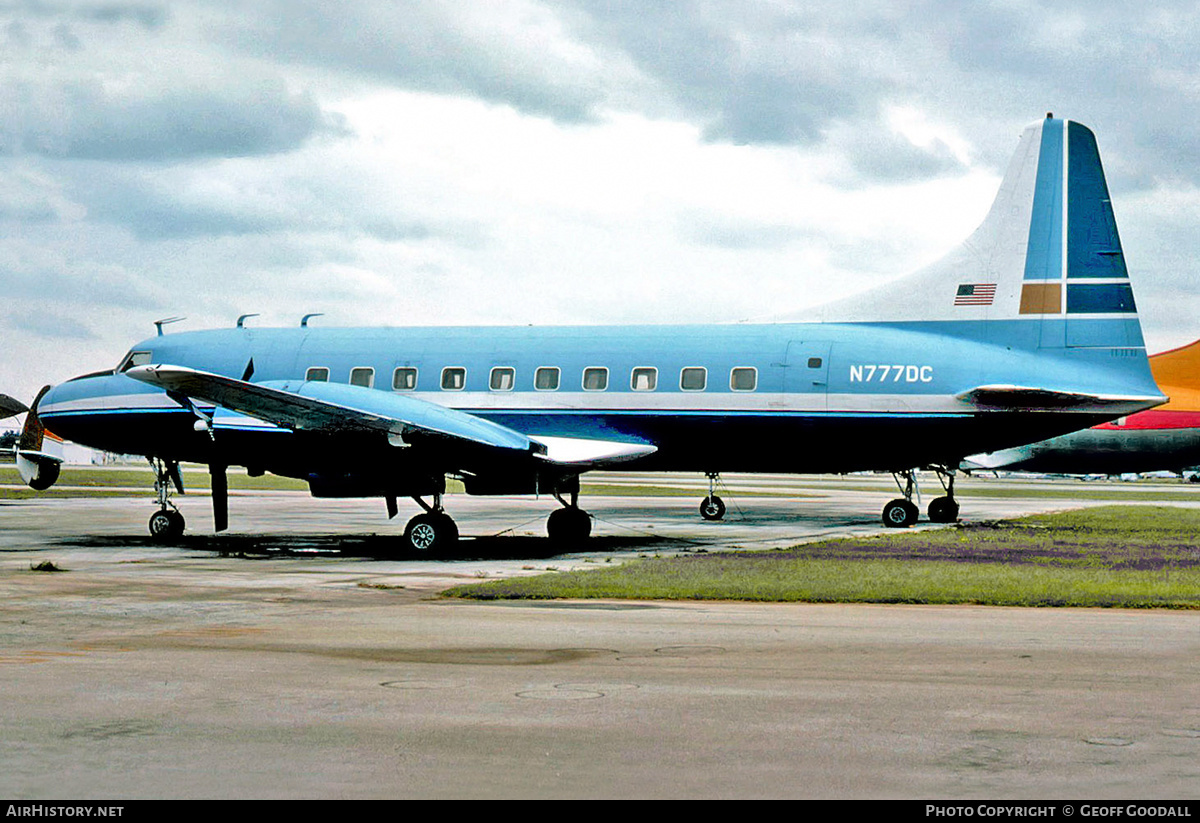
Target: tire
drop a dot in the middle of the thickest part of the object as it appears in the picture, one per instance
(430, 534)
(900, 514)
(570, 525)
(712, 508)
(166, 525)
(943, 510)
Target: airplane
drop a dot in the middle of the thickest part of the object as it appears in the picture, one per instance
(1166, 438)
(1026, 331)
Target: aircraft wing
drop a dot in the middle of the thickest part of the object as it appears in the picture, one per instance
(334, 408)
(330, 408)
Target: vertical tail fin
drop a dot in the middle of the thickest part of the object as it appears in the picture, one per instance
(1047, 254)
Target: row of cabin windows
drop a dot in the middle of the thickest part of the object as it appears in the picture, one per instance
(547, 378)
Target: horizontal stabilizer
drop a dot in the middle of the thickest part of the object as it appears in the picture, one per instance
(331, 408)
(1020, 398)
(584, 453)
(997, 459)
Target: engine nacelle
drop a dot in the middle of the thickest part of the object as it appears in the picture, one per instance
(39, 470)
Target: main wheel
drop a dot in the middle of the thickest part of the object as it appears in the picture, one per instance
(430, 533)
(900, 513)
(569, 525)
(712, 508)
(166, 524)
(943, 510)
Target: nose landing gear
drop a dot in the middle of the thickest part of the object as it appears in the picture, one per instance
(167, 523)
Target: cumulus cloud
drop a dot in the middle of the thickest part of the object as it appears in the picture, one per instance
(87, 121)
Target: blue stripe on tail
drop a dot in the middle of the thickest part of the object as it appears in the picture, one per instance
(1043, 257)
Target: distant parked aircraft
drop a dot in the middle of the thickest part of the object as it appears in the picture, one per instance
(1163, 439)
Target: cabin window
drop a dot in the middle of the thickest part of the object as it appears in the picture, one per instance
(546, 378)
(595, 378)
(744, 378)
(404, 379)
(693, 378)
(317, 374)
(502, 378)
(362, 376)
(454, 378)
(135, 358)
(815, 362)
(644, 379)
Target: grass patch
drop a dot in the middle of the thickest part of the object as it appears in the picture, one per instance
(1115, 556)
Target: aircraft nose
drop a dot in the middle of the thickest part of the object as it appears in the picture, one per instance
(73, 409)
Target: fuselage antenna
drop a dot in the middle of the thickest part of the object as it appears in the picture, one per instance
(158, 324)
(242, 319)
(304, 319)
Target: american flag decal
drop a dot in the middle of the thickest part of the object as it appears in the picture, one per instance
(975, 294)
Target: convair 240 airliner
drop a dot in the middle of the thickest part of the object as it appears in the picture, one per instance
(1026, 331)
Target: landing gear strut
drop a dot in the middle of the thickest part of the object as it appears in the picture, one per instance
(944, 509)
(904, 512)
(432, 532)
(570, 524)
(712, 507)
(167, 523)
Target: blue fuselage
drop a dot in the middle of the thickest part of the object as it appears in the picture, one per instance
(776, 398)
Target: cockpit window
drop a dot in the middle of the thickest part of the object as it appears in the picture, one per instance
(135, 358)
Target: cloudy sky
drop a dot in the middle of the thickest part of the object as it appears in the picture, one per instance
(568, 161)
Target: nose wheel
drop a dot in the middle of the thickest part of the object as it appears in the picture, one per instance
(167, 523)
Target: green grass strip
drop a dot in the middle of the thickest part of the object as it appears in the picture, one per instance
(1128, 557)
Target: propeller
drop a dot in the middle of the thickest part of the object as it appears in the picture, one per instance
(10, 406)
(39, 469)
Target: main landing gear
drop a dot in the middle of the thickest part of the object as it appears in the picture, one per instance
(432, 532)
(570, 524)
(903, 512)
(712, 507)
(167, 523)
